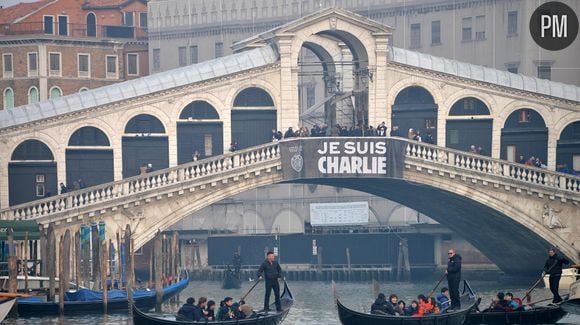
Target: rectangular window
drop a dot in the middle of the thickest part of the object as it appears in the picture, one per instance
(7, 65)
(219, 49)
(576, 162)
(112, 67)
(48, 24)
(32, 64)
(480, 28)
(142, 19)
(436, 32)
(512, 23)
(511, 153)
(128, 18)
(54, 63)
(84, 65)
(156, 59)
(430, 123)
(545, 72)
(466, 29)
(525, 116)
(40, 190)
(310, 95)
(512, 67)
(208, 144)
(453, 136)
(133, 64)
(193, 54)
(63, 25)
(415, 35)
(182, 52)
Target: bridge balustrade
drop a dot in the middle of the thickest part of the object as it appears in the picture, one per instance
(141, 183)
(427, 155)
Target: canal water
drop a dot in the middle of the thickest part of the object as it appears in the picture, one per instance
(313, 305)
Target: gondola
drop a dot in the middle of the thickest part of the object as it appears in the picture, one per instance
(539, 315)
(86, 301)
(572, 304)
(263, 318)
(350, 317)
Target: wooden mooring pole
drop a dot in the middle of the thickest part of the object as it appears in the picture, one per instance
(129, 263)
(104, 272)
(158, 253)
(51, 261)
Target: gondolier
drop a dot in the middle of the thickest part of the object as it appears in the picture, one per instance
(271, 271)
(454, 278)
(553, 267)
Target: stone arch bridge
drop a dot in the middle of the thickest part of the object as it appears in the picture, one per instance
(106, 135)
(510, 212)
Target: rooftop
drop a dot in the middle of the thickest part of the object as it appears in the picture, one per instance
(485, 74)
(139, 87)
(14, 13)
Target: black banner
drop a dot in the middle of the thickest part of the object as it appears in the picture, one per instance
(342, 157)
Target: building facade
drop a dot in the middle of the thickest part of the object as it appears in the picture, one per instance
(489, 33)
(60, 47)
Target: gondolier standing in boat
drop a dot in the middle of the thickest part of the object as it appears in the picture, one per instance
(553, 267)
(271, 271)
(453, 278)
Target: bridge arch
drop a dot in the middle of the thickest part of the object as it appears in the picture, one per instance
(253, 116)
(145, 145)
(199, 132)
(568, 148)
(288, 221)
(469, 123)
(32, 171)
(89, 158)
(415, 108)
(523, 135)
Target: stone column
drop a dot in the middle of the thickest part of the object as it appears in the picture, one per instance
(288, 112)
(118, 156)
(496, 137)
(172, 142)
(377, 88)
(4, 176)
(552, 148)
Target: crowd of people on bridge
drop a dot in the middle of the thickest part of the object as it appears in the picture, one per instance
(322, 130)
(532, 161)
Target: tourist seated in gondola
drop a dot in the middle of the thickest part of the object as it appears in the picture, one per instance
(247, 311)
(433, 302)
(499, 303)
(209, 311)
(413, 309)
(394, 300)
(401, 308)
(514, 303)
(189, 311)
(226, 311)
(443, 300)
(425, 306)
(202, 305)
(381, 306)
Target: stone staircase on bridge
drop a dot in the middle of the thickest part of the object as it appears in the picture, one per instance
(232, 167)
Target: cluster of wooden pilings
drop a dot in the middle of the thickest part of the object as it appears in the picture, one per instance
(164, 263)
(83, 259)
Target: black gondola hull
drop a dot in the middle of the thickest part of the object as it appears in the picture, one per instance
(141, 318)
(571, 306)
(540, 315)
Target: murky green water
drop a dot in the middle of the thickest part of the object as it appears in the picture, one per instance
(313, 303)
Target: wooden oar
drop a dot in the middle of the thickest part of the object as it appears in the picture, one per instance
(252, 288)
(538, 282)
(437, 285)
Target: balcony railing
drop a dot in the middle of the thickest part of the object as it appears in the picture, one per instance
(73, 30)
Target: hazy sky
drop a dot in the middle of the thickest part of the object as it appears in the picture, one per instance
(6, 3)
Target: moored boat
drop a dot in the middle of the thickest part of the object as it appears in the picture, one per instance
(539, 315)
(263, 318)
(85, 301)
(572, 304)
(351, 317)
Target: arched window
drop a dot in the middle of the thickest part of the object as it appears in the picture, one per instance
(8, 98)
(199, 110)
(91, 25)
(32, 95)
(55, 92)
(89, 136)
(32, 150)
(253, 97)
(414, 95)
(469, 106)
(82, 89)
(144, 123)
